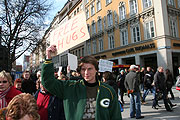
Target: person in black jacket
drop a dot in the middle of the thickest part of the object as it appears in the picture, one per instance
(28, 85)
(148, 80)
(160, 86)
(169, 82)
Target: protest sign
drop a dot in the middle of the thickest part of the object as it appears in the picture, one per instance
(105, 65)
(70, 33)
(72, 61)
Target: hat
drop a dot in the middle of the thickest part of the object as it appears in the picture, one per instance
(133, 67)
(121, 71)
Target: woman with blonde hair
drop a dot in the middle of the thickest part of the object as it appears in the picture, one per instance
(7, 90)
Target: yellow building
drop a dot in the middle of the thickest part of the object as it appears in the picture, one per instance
(142, 32)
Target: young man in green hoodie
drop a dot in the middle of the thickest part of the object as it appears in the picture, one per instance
(86, 99)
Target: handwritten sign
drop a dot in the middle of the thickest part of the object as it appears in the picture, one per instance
(70, 33)
(105, 65)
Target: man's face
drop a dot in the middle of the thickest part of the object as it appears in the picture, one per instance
(161, 70)
(26, 75)
(88, 72)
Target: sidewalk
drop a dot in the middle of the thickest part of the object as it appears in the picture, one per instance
(152, 114)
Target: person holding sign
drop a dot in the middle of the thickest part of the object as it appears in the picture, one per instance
(85, 99)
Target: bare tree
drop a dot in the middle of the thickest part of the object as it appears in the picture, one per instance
(22, 24)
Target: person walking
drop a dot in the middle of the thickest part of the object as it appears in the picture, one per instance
(148, 80)
(160, 86)
(85, 99)
(132, 85)
(169, 83)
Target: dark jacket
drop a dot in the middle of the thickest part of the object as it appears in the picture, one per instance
(159, 81)
(55, 107)
(120, 82)
(169, 80)
(131, 81)
(113, 84)
(148, 80)
(28, 86)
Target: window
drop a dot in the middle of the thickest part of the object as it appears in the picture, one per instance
(93, 28)
(100, 44)
(74, 12)
(122, 12)
(99, 25)
(133, 7)
(109, 19)
(135, 33)
(87, 13)
(98, 3)
(124, 37)
(92, 9)
(147, 3)
(79, 52)
(171, 2)
(111, 41)
(82, 52)
(77, 9)
(173, 27)
(86, 1)
(89, 48)
(108, 1)
(149, 29)
(88, 28)
(178, 3)
(94, 46)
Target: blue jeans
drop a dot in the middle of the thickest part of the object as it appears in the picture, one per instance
(146, 92)
(135, 104)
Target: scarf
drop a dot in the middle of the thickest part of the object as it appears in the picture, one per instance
(3, 102)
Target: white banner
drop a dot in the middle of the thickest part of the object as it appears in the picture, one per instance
(72, 61)
(105, 65)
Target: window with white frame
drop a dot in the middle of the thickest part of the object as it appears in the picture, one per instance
(135, 33)
(99, 24)
(86, 1)
(93, 27)
(109, 19)
(147, 3)
(173, 27)
(108, 1)
(92, 9)
(94, 46)
(171, 2)
(133, 7)
(178, 3)
(149, 29)
(124, 36)
(87, 13)
(101, 48)
(122, 12)
(111, 41)
(88, 47)
(98, 3)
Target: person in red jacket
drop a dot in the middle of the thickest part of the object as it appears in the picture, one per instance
(7, 90)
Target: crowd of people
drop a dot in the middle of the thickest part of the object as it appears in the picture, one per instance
(84, 94)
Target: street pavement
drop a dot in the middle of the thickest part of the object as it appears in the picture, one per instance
(152, 114)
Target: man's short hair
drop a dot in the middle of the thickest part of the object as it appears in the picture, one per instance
(21, 105)
(90, 60)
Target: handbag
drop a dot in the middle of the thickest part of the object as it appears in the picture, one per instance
(159, 95)
(177, 88)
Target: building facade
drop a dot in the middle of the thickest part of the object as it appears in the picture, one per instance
(142, 32)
